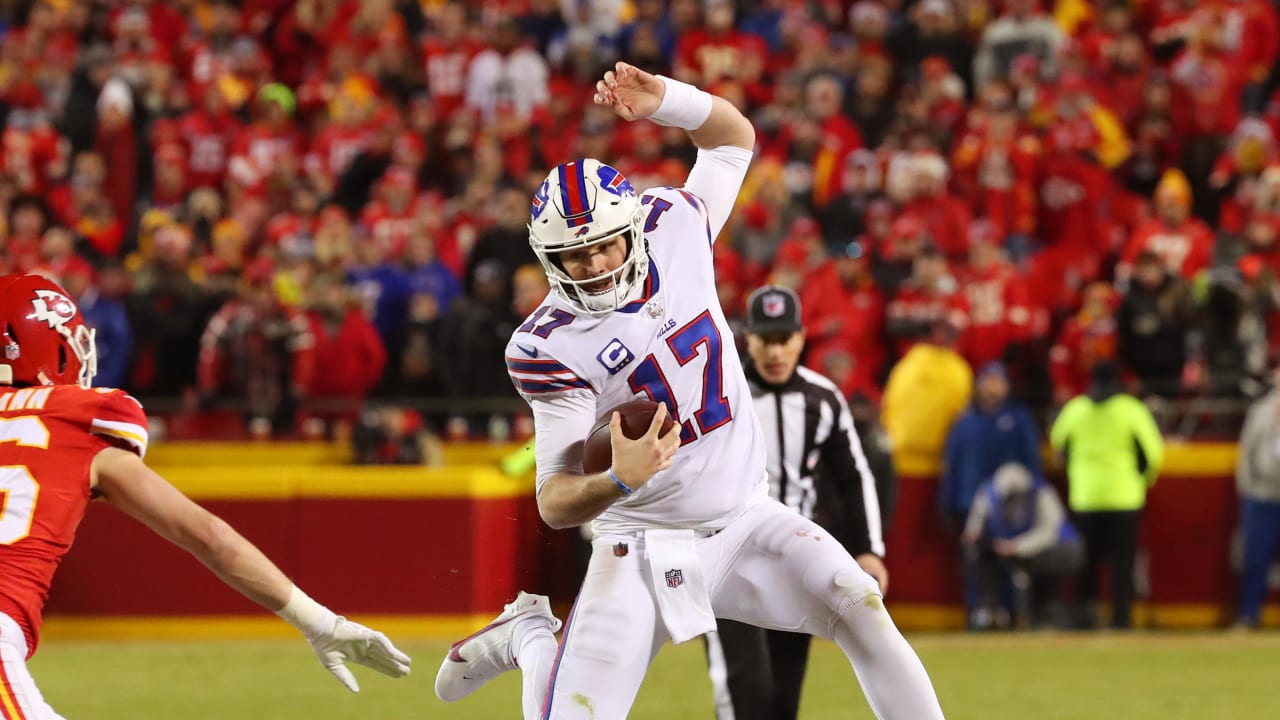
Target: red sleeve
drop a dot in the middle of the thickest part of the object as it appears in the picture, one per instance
(119, 419)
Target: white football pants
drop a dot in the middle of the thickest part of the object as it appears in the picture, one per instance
(771, 568)
(20, 699)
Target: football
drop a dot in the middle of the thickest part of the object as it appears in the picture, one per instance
(597, 452)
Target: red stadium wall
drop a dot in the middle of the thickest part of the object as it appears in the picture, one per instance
(442, 547)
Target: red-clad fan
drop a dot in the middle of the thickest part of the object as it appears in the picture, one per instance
(1239, 170)
(843, 308)
(946, 216)
(803, 248)
(869, 22)
(446, 54)
(718, 51)
(1088, 337)
(998, 163)
(367, 27)
(929, 296)
(999, 304)
(169, 181)
(1071, 186)
(1183, 242)
(274, 138)
(1253, 36)
(1124, 75)
(391, 217)
(1212, 78)
(33, 152)
(20, 246)
(348, 132)
(67, 444)
(353, 354)
(642, 160)
(207, 134)
(942, 91)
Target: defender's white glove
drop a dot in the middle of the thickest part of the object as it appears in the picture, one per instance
(337, 640)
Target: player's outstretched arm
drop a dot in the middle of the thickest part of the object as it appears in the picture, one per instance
(126, 482)
(724, 136)
(568, 500)
(711, 121)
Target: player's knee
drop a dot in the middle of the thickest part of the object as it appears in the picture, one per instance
(841, 585)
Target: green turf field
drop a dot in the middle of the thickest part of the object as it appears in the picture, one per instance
(1041, 677)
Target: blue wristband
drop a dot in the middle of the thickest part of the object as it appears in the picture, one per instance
(621, 485)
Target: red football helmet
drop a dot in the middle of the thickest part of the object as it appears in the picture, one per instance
(43, 335)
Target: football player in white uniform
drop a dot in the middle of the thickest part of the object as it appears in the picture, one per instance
(683, 530)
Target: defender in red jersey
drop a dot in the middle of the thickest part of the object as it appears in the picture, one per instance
(64, 443)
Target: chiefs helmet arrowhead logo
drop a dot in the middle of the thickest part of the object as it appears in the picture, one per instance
(52, 308)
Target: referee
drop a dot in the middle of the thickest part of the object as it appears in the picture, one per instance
(817, 468)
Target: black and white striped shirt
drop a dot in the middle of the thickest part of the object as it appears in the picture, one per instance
(815, 459)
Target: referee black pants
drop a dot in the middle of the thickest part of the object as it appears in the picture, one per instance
(765, 670)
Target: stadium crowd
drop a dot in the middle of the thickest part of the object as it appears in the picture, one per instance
(298, 204)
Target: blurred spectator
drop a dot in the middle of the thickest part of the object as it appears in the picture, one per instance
(1018, 530)
(117, 142)
(1183, 243)
(997, 298)
(1113, 453)
(102, 301)
(393, 436)
(257, 351)
(167, 311)
(482, 323)
(383, 286)
(1024, 28)
(929, 297)
(352, 355)
(927, 390)
(23, 246)
(1258, 484)
(1155, 321)
(506, 81)
(844, 310)
(992, 432)
(507, 240)
(1087, 338)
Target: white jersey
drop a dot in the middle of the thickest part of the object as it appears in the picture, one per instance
(671, 345)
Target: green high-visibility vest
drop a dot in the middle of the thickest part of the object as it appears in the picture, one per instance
(1114, 452)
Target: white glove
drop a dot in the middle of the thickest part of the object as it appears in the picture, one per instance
(350, 641)
(337, 640)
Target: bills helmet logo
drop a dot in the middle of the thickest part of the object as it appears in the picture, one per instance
(615, 182)
(540, 200)
(774, 305)
(675, 578)
(52, 308)
(583, 231)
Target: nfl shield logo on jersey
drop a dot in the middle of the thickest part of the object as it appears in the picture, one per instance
(675, 578)
(621, 550)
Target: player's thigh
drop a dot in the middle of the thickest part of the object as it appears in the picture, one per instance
(783, 572)
(20, 699)
(610, 637)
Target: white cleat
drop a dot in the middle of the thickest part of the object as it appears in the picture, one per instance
(487, 653)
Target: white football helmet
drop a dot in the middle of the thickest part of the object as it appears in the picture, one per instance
(584, 203)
